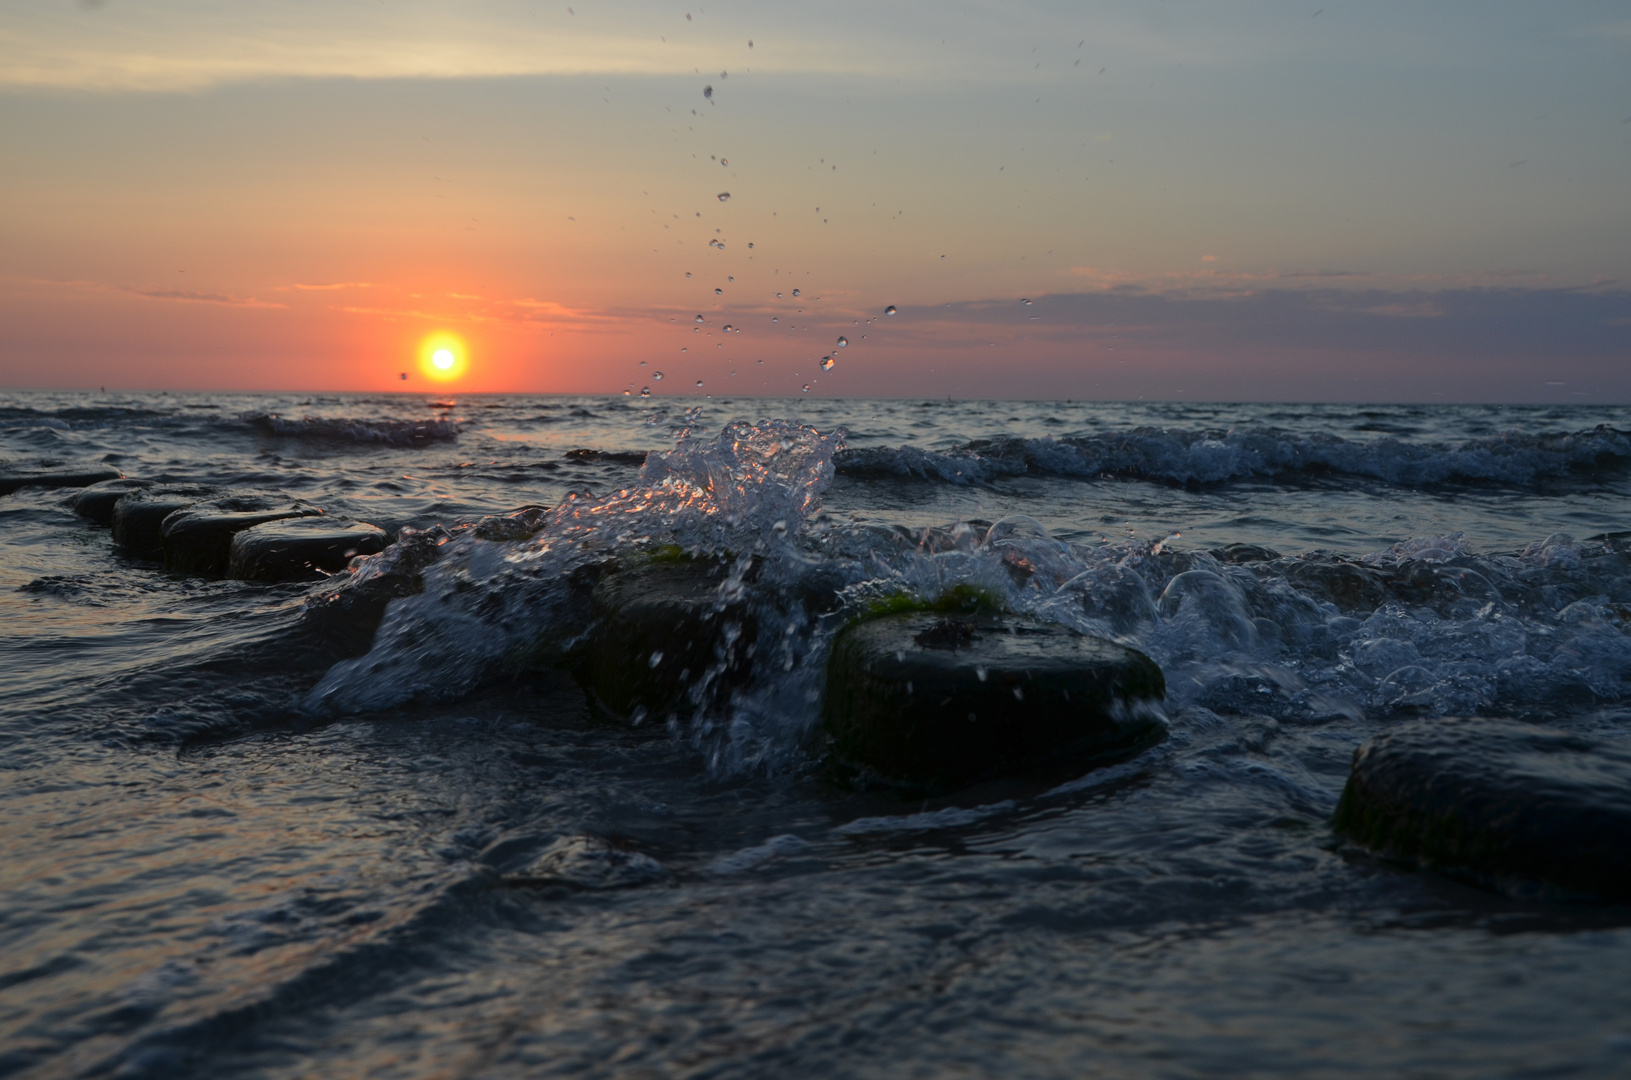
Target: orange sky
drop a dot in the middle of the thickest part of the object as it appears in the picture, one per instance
(297, 198)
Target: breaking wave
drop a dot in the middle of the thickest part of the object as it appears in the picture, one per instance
(359, 432)
(1199, 457)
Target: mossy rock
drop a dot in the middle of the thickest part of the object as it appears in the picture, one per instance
(1496, 800)
(662, 641)
(937, 701)
(302, 548)
(198, 538)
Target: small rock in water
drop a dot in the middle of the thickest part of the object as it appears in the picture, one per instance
(198, 539)
(138, 517)
(96, 502)
(1500, 800)
(295, 549)
(666, 608)
(940, 701)
(341, 615)
(591, 864)
(83, 476)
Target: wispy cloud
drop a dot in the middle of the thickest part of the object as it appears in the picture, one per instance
(301, 286)
(188, 297)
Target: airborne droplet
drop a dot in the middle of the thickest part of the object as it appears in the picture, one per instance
(719, 292)
(728, 328)
(890, 310)
(843, 343)
(827, 362)
(645, 391)
(1027, 303)
(806, 388)
(699, 384)
(707, 91)
(795, 292)
(656, 376)
(725, 196)
(778, 296)
(699, 318)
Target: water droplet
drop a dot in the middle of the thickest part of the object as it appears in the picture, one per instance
(750, 245)
(806, 388)
(732, 279)
(795, 292)
(724, 196)
(774, 319)
(707, 91)
(656, 376)
(843, 343)
(827, 362)
(719, 292)
(642, 363)
(625, 393)
(890, 310)
(725, 161)
(688, 273)
(778, 296)
(699, 384)
(656, 658)
(1027, 303)
(980, 672)
(645, 391)
(728, 328)
(699, 318)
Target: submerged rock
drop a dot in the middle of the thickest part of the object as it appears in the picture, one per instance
(198, 539)
(294, 549)
(96, 502)
(342, 615)
(138, 518)
(1499, 799)
(80, 476)
(663, 641)
(941, 700)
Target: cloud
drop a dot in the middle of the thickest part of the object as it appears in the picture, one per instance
(328, 286)
(188, 297)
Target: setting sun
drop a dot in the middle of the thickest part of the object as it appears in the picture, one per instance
(443, 357)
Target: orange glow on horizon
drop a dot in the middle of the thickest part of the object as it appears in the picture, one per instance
(443, 357)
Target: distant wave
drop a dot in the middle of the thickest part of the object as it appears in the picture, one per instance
(351, 430)
(1198, 457)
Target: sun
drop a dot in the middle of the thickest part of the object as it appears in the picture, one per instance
(443, 357)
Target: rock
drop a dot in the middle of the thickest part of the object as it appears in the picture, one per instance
(662, 642)
(1496, 799)
(341, 615)
(198, 539)
(1239, 554)
(939, 701)
(97, 501)
(138, 518)
(80, 476)
(294, 549)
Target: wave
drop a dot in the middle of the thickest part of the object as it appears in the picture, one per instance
(361, 432)
(1190, 458)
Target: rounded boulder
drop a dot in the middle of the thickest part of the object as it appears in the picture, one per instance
(664, 641)
(198, 538)
(300, 548)
(1497, 799)
(138, 517)
(96, 502)
(66, 476)
(941, 700)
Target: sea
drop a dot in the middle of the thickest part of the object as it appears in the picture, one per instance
(227, 850)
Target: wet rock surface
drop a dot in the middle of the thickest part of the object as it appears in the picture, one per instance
(302, 548)
(138, 518)
(198, 538)
(66, 476)
(1500, 800)
(942, 700)
(342, 614)
(664, 640)
(96, 502)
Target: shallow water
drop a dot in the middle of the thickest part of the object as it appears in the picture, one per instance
(227, 851)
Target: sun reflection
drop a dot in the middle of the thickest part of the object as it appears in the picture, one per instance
(443, 357)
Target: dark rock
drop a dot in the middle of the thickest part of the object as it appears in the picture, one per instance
(1496, 799)
(1237, 554)
(138, 518)
(198, 539)
(341, 616)
(1351, 587)
(940, 700)
(97, 501)
(663, 641)
(81, 476)
(294, 549)
(518, 524)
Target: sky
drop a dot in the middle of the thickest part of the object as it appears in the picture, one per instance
(1326, 200)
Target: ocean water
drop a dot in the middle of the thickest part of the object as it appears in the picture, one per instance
(228, 850)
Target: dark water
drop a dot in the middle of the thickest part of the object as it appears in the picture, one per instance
(226, 852)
